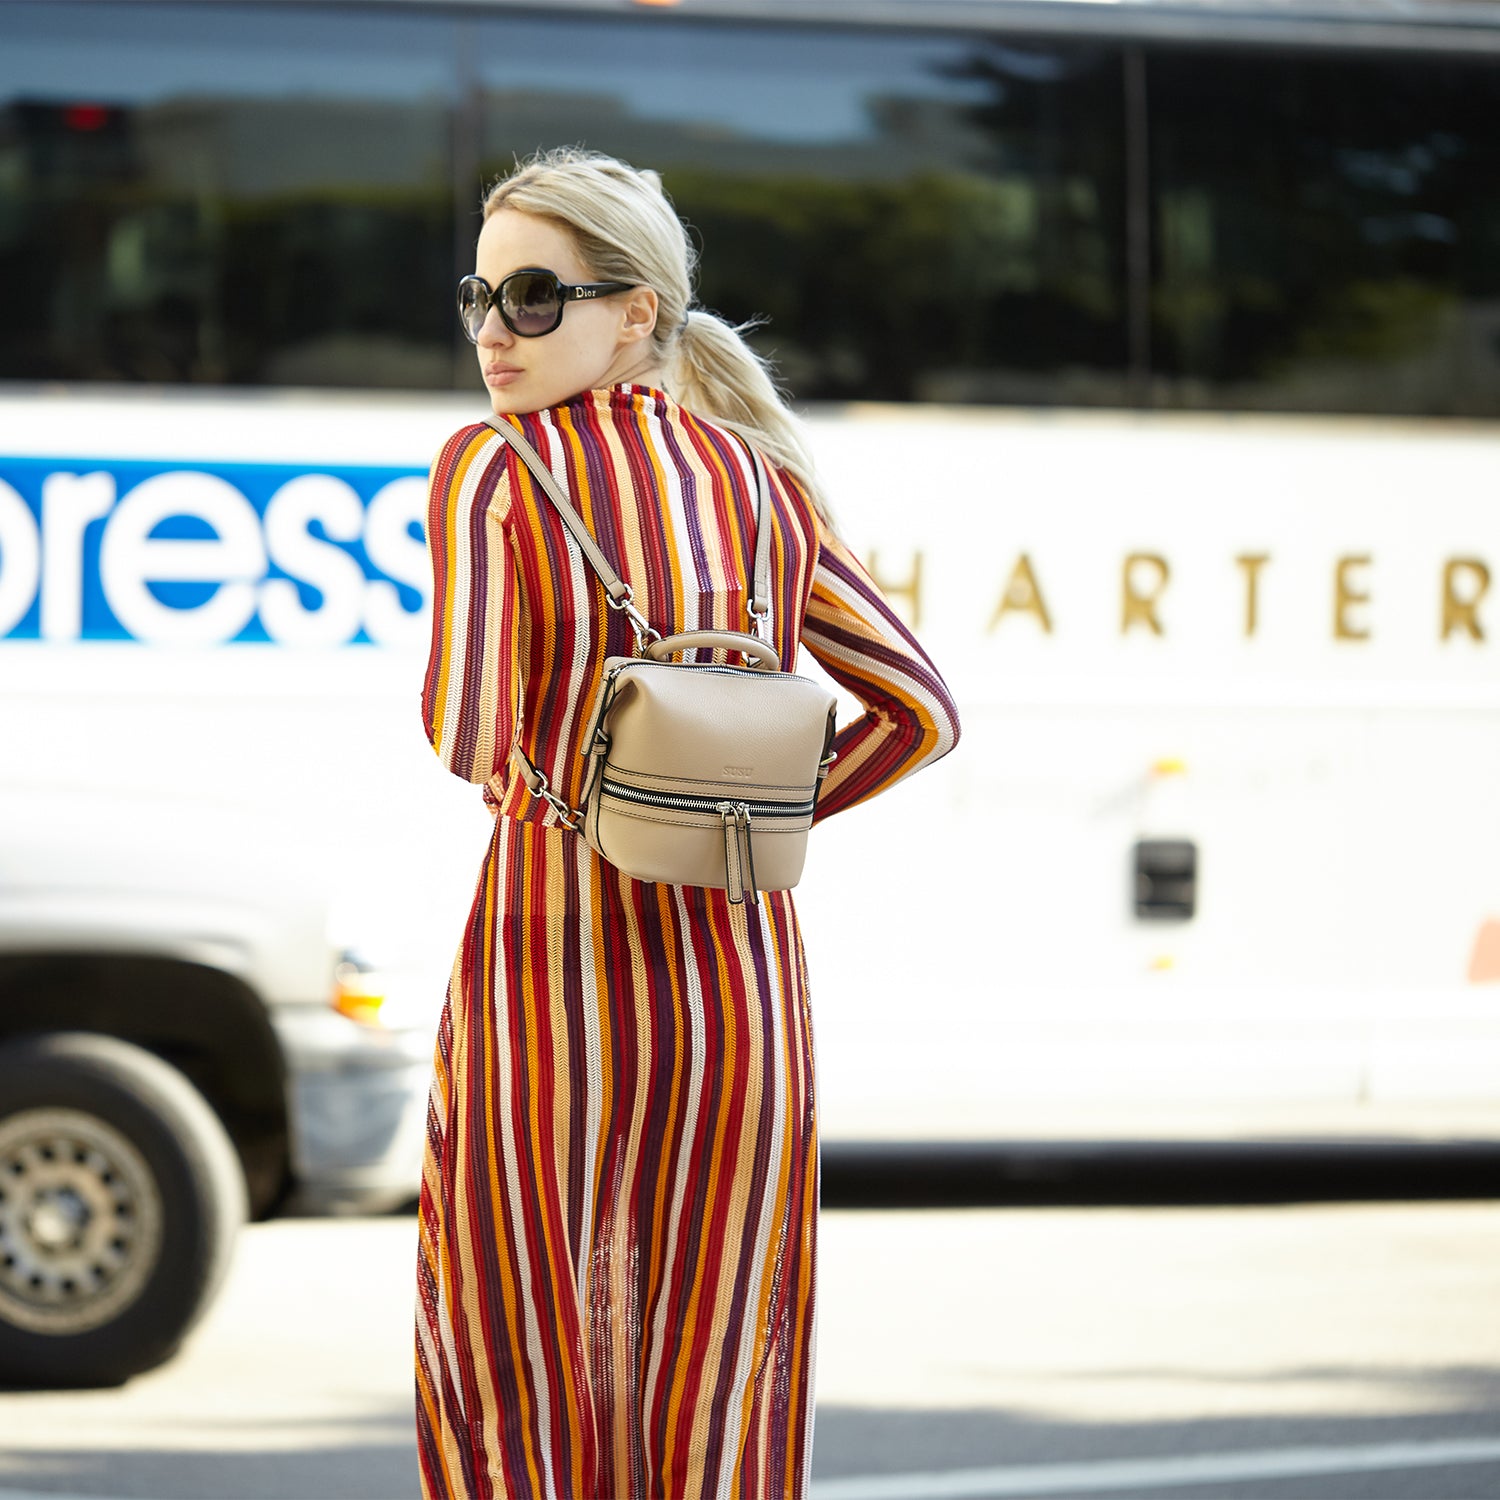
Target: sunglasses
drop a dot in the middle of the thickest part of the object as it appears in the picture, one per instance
(530, 302)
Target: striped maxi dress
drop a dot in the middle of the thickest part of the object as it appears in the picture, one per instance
(618, 1214)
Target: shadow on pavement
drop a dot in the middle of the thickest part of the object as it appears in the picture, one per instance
(999, 1174)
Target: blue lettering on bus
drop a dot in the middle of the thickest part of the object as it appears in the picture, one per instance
(203, 554)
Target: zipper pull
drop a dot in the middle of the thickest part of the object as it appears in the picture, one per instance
(733, 871)
(747, 854)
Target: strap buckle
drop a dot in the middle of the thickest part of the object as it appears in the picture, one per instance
(643, 629)
(566, 815)
(538, 785)
(760, 622)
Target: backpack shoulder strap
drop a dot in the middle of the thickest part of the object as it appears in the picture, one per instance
(760, 592)
(615, 586)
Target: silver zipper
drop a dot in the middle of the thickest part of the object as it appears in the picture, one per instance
(684, 802)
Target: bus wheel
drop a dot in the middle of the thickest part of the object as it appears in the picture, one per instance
(120, 1199)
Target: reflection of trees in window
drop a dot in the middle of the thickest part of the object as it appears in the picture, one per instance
(1053, 120)
(1319, 227)
(346, 288)
(188, 242)
(922, 288)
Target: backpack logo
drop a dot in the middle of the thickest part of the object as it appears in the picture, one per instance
(740, 773)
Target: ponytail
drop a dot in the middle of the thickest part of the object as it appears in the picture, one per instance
(716, 374)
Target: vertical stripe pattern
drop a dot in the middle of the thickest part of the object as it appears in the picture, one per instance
(616, 1270)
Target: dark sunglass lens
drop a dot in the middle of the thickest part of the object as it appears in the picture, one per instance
(530, 302)
(473, 305)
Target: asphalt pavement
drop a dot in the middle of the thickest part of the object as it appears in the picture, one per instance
(1294, 1351)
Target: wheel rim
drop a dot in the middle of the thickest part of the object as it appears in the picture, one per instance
(80, 1221)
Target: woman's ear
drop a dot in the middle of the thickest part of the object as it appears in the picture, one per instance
(639, 314)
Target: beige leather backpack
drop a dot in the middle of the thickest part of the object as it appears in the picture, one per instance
(700, 773)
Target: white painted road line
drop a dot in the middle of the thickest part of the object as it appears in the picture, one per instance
(1155, 1473)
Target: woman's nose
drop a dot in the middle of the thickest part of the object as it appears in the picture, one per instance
(493, 331)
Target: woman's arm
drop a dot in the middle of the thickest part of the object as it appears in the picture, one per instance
(910, 719)
(472, 686)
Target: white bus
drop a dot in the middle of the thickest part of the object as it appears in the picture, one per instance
(1153, 358)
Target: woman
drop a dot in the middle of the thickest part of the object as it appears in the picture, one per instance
(620, 1194)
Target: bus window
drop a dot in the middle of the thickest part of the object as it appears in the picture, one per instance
(1327, 232)
(927, 216)
(224, 195)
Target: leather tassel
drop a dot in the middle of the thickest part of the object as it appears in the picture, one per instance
(739, 857)
(733, 874)
(747, 854)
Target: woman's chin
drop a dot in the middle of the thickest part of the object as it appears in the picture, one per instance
(507, 403)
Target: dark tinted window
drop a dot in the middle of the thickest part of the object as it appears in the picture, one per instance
(264, 195)
(920, 216)
(227, 194)
(1327, 232)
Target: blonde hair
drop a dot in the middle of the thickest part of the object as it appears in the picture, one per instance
(626, 229)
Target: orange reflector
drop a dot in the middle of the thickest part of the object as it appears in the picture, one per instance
(357, 994)
(1484, 960)
(361, 1008)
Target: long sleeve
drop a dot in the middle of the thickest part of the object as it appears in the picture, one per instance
(472, 685)
(910, 718)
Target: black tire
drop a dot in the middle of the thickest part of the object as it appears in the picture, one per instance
(121, 1197)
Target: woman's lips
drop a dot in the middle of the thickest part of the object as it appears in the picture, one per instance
(501, 374)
